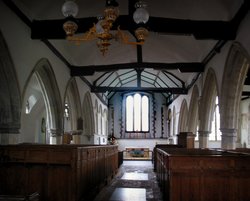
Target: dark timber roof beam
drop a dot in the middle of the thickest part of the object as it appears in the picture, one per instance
(182, 67)
(149, 89)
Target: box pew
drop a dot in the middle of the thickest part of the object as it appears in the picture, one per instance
(56, 172)
(203, 175)
(165, 146)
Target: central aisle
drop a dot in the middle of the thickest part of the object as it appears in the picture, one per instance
(135, 181)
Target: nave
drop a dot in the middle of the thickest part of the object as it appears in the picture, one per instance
(135, 181)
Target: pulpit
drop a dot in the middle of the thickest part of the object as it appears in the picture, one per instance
(186, 139)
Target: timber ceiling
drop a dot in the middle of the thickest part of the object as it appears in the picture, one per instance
(183, 36)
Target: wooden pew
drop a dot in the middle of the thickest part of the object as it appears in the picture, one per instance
(203, 175)
(56, 172)
(165, 146)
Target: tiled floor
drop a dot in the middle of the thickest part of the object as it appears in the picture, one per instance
(135, 181)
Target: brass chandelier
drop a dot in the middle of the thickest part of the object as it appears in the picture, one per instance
(101, 30)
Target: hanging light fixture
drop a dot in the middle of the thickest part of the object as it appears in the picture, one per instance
(70, 10)
(141, 17)
(101, 30)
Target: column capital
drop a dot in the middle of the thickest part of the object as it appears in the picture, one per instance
(204, 133)
(55, 132)
(228, 138)
(228, 132)
(76, 132)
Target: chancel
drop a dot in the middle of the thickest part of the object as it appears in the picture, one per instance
(124, 100)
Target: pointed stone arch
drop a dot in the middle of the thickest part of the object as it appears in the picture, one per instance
(192, 121)
(72, 102)
(174, 121)
(183, 117)
(10, 98)
(50, 91)
(105, 122)
(169, 121)
(96, 116)
(206, 107)
(235, 71)
(88, 115)
(100, 119)
(73, 98)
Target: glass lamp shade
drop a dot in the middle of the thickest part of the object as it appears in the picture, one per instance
(141, 15)
(70, 8)
(99, 28)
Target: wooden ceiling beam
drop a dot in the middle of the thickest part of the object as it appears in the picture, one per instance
(182, 67)
(218, 30)
(97, 89)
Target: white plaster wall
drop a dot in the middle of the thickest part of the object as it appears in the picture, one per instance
(145, 143)
(244, 32)
(26, 52)
(31, 129)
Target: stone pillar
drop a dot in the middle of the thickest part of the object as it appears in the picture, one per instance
(56, 136)
(228, 138)
(186, 139)
(203, 138)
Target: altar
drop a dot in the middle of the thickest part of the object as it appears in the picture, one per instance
(137, 153)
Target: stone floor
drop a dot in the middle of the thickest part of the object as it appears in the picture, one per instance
(135, 181)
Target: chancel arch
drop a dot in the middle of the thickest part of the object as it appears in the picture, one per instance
(43, 86)
(206, 108)
(10, 99)
(236, 68)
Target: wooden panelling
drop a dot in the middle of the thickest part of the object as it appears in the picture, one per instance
(56, 172)
(203, 175)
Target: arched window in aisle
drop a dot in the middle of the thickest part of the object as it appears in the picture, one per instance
(137, 113)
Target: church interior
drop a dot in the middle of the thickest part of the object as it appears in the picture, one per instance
(96, 93)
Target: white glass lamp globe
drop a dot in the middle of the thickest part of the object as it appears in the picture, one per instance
(69, 8)
(99, 28)
(141, 15)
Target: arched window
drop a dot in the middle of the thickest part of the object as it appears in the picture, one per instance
(66, 110)
(215, 130)
(137, 113)
(30, 104)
